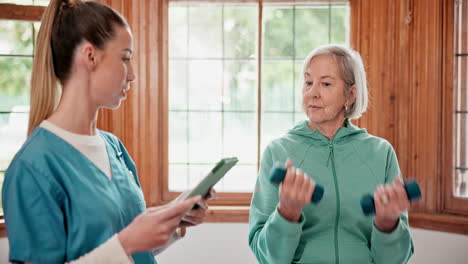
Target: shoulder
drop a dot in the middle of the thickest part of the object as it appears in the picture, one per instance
(109, 137)
(372, 144)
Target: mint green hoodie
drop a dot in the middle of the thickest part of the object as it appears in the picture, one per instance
(335, 230)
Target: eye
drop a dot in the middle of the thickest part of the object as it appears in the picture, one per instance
(326, 84)
(126, 59)
(308, 83)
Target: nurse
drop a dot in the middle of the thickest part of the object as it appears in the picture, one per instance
(71, 194)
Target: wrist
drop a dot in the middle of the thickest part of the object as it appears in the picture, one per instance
(125, 242)
(386, 225)
(290, 215)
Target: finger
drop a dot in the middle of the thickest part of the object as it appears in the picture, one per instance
(392, 197)
(397, 181)
(192, 220)
(402, 197)
(179, 209)
(377, 202)
(288, 163)
(298, 185)
(211, 194)
(156, 208)
(202, 204)
(308, 188)
(289, 178)
(311, 189)
(184, 224)
(197, 213)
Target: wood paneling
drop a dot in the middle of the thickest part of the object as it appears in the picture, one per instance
(21, 12)
(139, 121)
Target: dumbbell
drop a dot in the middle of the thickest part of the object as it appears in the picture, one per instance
(278, 173)
(412, 190)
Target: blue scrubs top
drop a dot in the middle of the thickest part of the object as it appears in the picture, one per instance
(59, 206)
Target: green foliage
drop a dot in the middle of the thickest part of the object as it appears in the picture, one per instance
(17, 39)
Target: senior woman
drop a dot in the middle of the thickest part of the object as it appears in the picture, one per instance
(328, 149)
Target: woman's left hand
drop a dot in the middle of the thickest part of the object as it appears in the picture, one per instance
(390, 201)
(197, 214)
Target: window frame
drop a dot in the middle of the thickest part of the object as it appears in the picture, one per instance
(452, 204)
(232, 206)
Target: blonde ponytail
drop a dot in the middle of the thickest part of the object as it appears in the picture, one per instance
(45, 91)
(65, 24)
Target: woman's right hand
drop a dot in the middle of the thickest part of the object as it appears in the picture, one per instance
(155, 226)
(295, 192)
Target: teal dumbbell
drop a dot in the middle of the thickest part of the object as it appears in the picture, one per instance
(278, 173)
(412, 190)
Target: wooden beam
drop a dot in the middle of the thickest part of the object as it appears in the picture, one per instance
(21, 12)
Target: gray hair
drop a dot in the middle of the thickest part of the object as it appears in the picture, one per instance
(352, 72)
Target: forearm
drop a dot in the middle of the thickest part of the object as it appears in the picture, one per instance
(275, 241)
(395, 247)
(109, 252)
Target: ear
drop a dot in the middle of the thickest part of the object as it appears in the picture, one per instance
(352, 95)
(89, 56)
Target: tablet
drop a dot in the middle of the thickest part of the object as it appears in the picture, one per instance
(203, 187)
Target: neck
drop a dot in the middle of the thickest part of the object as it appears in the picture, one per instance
(328, 128)
(76, 112)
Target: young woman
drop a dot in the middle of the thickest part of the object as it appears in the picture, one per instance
(71, 194)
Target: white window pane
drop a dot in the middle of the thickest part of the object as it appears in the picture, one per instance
(240, 178)
(178, 177)
(178, 84)
(17, 2)
(240, 137)
(275, 125)
(178, 139)
(2, 176)
(299, 83)
(205, 31)
(205, 84)
(312, 28)
(16, 37)
(178, 31)
(240, 31)
(300, 116)
(205, 133)
(340, 23)
(278, 85)
(12, 134)
(278, 32)
(41, 2)
(15, 75)
(240, 85)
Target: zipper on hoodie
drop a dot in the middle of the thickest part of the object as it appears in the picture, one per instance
(331, 157)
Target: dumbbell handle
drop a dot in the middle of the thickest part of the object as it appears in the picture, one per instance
(278, 173)
(412, 190)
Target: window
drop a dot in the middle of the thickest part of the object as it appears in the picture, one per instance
(461, 99)
(17, 43)
(458, 194)
(219, 104)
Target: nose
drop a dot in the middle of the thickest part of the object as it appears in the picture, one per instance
(131, 76)
(312, 90)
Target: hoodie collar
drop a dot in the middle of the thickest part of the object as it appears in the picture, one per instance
(303, 129)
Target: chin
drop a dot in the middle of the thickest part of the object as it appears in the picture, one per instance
(113, 106)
